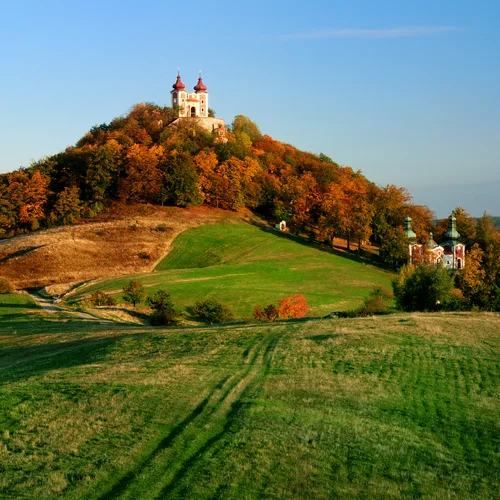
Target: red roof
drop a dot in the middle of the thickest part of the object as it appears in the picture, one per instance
(200, 87)
(178, 85)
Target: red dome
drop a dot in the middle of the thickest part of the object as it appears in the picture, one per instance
(178, 85)
(200, 87)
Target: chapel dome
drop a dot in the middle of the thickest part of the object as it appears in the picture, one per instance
(178, 85)
(200, 86)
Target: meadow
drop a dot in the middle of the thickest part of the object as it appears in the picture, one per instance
(383, 407)
(243, 265)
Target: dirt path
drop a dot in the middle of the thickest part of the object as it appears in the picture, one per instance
(48, 306)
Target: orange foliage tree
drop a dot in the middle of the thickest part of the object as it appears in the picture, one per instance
(143, 179)
(294, 306)
(28, 195)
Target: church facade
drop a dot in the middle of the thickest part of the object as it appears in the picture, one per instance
(194, 105)
(450, 253)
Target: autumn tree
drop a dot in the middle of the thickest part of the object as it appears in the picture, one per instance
(346, 212)
(294, 306)
(471, 277)
(143, 179)
(27, 196)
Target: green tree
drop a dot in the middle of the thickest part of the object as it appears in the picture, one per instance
(393, 248)
(67, 207)
(243, 125)
(164, 312)
(180, 185)
(134, 293)
(423, 288)
(99, 298)
(211, 311)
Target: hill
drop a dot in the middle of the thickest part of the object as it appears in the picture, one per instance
(149, 157)
(122, 240)
(384, 407)
(243, 265)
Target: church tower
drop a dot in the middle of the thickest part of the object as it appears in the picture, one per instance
(193, 104)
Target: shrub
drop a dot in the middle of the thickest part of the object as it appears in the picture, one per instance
(134, 293)
(6, 286)
(163, 309)
(376, 303)
(102, 299)
(294, 306)
(212, 311)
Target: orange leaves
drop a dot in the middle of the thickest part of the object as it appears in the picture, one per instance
(346, 209)
(143, 180)
(294, 306)
(28, 195)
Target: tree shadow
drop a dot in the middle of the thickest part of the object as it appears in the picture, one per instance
(20, 253)
(363, 258)
(20, 362)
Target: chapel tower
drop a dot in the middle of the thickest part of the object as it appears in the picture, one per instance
(193, 104)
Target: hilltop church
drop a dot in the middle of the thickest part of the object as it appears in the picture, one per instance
(195, 105)
(451, 253)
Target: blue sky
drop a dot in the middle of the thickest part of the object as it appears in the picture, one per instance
(407, 92)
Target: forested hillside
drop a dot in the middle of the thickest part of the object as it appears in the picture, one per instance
(142, 158)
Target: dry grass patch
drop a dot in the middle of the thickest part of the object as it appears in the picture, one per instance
(126, 243)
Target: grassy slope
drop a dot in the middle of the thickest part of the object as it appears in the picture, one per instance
(405, 405)
(249, 266)
(16, 306)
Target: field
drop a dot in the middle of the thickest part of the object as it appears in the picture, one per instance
(383, 407)
(243, 265)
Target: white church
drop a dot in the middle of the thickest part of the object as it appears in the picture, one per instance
(195, 105)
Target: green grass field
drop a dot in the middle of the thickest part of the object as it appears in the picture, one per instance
(401, 406)
(243, 266)
(17, 307)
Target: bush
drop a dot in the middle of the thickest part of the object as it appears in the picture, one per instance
(269, 313)
(134, 293)
(6, 286)
(422, 288)
(102, 299)
(376, 303)
(212, 311)
(294, 306)
(163, 309)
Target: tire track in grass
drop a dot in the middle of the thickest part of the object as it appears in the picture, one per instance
(229, 417)
(216, 405)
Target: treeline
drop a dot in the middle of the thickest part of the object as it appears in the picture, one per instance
(143, 157)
